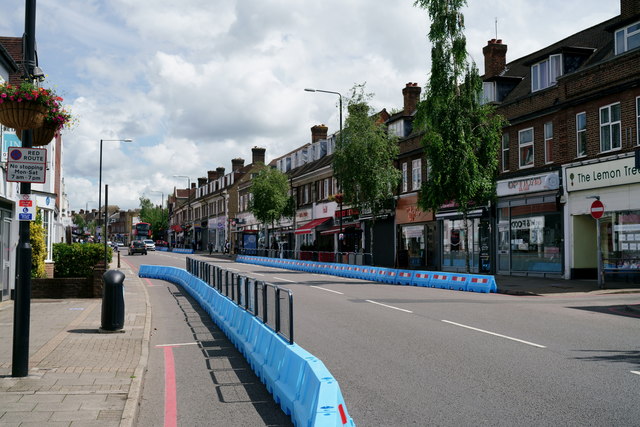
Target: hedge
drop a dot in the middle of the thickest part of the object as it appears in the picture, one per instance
(78, 259)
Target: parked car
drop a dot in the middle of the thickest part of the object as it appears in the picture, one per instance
(137, 247)
(149, 244)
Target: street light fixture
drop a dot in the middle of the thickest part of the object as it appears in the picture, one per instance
(340, 236)
(189, 198)
(100, 180)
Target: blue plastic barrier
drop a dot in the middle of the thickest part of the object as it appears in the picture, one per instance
(404, 277)
(299, 382)
(482, 283)
(421, 278)
(440, 280)
(458, 282)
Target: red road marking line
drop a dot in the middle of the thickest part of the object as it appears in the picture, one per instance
(170, 401)
(149, 282)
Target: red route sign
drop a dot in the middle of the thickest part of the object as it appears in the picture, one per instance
(597, 209)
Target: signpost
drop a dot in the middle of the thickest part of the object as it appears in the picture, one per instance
(27, 165)
(597, 210)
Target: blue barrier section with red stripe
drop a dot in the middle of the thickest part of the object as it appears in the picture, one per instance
(433, 279)
(299, 382)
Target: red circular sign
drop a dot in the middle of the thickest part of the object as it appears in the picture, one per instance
(597, 209)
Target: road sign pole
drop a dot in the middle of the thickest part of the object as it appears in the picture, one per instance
(599, 249)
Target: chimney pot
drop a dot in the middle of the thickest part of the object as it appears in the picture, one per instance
(257, 154)
(318, 132)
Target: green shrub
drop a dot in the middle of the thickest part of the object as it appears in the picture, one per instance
(38, 246)
(78, 259)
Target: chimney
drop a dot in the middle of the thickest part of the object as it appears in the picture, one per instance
(202, 182)
(220, 171)
(212, 175)
(193, 185)
(236, 164)
(257, 155)
(628, 8)
(495, 57)
(411, 94)
(318, 132)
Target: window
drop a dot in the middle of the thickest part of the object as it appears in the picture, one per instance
(326, 188)
(638, 120)
(548, 142)
(488, 92)
(416, 174)
(397, 128)
(405, 183)
(610, 129)
(628, 38)
(505, 152)
(545, 73)
(525, 144)
(581, 134)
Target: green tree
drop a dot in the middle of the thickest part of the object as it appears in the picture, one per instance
(270, 198)
(37, 239)
(363, 161)
(461, 136)
(157, 216)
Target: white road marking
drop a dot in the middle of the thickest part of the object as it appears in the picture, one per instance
(389, 306)
(285, 280)
(229, 268)
(256, 274)
(177, 345)
(635, 372)
(328, 290)
(495, 334)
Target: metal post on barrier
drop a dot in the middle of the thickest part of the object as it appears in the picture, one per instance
(256, 285)
(233, 288)
(290, 317)
(277, 308)
(238, 288)
(246, 294)
(265, 313)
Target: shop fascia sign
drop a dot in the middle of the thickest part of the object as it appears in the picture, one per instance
(528, 184)
(603, 174)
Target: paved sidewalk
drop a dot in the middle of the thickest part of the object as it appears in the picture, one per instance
(77, 376)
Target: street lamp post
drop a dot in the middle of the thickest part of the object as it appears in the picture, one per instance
(100, 178)
(189, 198)
(340, 236)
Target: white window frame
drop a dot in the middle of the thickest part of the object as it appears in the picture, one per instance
(405, 181)
(579, 132)
(526, 144)
(548, 139)
(545, 73)
(416, 174)
(611, 125)
(623, 35)
(638, 121)
(505, 152)
(488, 92)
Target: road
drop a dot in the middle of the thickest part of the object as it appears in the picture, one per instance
(421, 356)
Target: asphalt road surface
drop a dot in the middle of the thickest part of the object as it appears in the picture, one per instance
(421, 356)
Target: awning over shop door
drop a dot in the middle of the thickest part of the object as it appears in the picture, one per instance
(311, 225)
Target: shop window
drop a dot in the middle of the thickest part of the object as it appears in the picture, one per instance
(525, 144)
(610, 129)
(581, 134)
(413, 246)
(548, 142)
(638, 120)
(620, 243)
(454, 249)
(505, 152)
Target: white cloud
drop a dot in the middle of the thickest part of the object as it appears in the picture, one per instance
(196, 83)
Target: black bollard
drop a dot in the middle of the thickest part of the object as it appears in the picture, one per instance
(112, 301)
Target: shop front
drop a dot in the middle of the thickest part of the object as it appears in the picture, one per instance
(616, 183)
(416, 244)
(530, 236)
(456, 248)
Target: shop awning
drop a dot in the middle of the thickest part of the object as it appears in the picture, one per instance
(311, 225)
(336, 228)
(176, 228)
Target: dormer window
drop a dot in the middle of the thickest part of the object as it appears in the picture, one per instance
(628, 38)
(488, 92)
(545, 73)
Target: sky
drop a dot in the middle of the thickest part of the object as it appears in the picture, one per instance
(196, 83)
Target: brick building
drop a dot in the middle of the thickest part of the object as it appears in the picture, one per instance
(573, 110)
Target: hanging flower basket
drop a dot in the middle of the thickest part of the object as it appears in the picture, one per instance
(42, 135)
(22, 115)
(30, 107)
